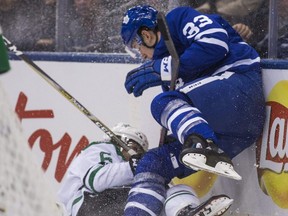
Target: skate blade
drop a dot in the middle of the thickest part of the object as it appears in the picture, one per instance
(215, 206)
(198, 162)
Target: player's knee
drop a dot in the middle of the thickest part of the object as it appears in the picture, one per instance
(160, 102)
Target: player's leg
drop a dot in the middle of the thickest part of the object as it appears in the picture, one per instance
(233, 105)
(182, 201)
(175, 111)
(146, 196)
(153, 173)
(155, 170)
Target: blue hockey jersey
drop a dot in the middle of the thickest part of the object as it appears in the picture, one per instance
(222, 87)
(206, 45)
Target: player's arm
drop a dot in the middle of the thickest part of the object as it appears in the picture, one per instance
(206, 39)
(107, 172)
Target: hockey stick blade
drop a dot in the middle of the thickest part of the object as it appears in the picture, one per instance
(11, 47)
(165, 33)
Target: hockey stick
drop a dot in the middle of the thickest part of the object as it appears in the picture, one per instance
(11, 47)
(164, 29)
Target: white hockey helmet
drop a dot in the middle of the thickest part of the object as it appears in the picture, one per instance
(126, 132)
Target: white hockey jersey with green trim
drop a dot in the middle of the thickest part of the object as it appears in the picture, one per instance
(98, 167)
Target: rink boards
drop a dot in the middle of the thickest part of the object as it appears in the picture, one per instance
(56, 130)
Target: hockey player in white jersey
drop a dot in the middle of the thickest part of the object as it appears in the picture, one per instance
(218, 107)
(97, 181)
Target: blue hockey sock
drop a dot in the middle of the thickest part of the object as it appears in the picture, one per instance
(181, 118)
(146, 196)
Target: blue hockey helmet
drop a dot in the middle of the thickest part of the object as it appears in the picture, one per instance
(135, 18)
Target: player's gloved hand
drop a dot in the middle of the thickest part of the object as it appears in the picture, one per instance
(150, 74)
(134, 160)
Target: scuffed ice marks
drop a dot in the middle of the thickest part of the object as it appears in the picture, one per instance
(108, 202)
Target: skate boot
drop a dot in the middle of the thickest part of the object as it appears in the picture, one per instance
(215, 206)
(201, 154)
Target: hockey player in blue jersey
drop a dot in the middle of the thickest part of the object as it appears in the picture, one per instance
(218, 107)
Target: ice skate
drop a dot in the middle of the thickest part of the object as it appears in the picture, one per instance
(215, 206)
(200, 154)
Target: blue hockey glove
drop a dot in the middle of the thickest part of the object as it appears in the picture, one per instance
(148, 75)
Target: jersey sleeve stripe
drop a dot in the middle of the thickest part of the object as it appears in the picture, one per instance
(209, 32)
(215, 41)
(236, 64)
(91, 178)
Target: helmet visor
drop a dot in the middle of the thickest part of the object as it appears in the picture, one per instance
(133, 47)
(132, 144)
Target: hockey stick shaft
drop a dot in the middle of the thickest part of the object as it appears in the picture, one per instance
(165, 33)
(11, 47)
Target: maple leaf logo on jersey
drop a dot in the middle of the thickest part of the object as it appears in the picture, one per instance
(126, 19)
